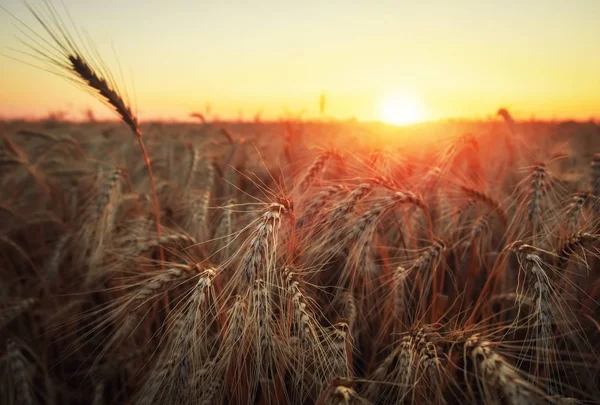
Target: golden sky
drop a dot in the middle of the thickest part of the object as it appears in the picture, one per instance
(461, 58)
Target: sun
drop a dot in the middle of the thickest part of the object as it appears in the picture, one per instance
(401, 110)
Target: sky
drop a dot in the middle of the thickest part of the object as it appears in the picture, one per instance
(455, 59)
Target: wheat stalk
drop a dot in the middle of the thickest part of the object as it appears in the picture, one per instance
(71, 60)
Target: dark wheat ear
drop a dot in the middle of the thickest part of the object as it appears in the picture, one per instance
(62, 53)
(89, 76)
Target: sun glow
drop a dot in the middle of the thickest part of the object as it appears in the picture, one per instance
(402, 110)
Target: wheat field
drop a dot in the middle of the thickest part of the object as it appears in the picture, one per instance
(295, 262)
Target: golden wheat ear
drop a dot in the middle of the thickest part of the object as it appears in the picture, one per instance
(63, 54)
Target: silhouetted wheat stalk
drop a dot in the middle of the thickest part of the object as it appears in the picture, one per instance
(64, 54)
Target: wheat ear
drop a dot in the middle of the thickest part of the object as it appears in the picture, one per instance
(17, 366)
(71, 59)
(497, 378)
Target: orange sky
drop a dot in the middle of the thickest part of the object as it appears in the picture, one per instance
(458, 59)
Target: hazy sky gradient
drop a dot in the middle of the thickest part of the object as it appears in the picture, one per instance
(461, 58)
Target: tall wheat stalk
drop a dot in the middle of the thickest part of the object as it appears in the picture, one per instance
(65, 57)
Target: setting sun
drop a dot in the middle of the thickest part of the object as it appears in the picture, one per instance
(402, 110)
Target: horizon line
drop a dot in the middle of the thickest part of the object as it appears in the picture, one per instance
(328, 120)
